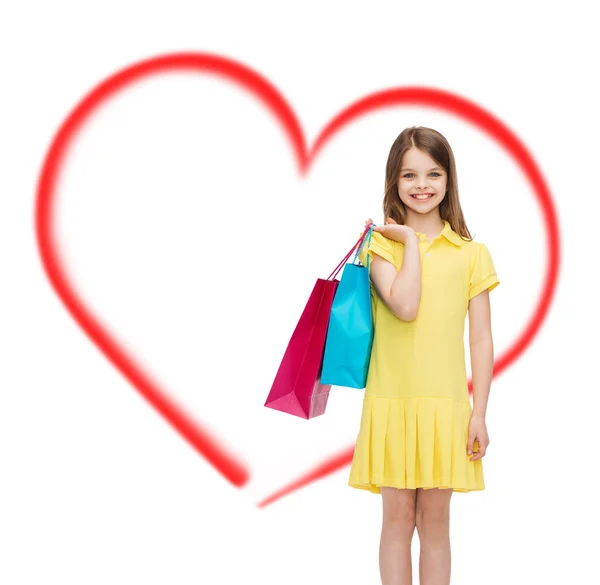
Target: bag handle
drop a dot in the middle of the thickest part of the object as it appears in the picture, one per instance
(361, 240)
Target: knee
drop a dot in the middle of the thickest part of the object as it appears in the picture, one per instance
(401, 519)
(432, 520)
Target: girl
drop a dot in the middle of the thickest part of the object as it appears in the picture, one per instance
(419, 439)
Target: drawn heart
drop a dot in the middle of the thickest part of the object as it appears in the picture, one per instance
(209, 64)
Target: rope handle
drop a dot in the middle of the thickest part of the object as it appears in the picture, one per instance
(360, 242)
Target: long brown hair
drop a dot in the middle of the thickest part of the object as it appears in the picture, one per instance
(436, 146)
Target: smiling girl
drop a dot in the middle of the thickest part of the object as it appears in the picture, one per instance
(419, 439)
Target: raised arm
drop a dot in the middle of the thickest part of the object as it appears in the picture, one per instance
(400, 290)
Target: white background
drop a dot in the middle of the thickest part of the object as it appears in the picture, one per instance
(190, 233)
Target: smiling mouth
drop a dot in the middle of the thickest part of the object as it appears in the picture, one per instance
(429, 196)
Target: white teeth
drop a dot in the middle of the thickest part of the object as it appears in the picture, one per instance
(422, 196)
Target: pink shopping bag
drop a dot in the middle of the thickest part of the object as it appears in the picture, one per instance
(297, 387)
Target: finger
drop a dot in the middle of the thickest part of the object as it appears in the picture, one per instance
(470, 445)
(478, 452)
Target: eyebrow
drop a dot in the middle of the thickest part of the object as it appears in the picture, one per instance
(433, 169)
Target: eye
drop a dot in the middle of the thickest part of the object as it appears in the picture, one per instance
(433, 173)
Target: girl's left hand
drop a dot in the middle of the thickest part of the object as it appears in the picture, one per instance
(477, 432)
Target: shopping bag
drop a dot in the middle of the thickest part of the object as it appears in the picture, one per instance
(350, 331)
(297, 388)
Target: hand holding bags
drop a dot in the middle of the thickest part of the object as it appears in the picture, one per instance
(297, 388)
(350, 332)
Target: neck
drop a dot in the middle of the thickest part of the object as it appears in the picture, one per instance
(425, 224)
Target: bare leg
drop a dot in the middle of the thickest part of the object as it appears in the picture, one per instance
(396, 535)
(433, 526)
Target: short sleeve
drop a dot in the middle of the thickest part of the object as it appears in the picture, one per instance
(379, 245)
(483, 273)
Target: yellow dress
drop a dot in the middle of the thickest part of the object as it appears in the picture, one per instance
(416, 410)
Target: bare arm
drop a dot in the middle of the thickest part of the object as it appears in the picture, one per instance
(482, 350)
(406, 289)
(400, 290)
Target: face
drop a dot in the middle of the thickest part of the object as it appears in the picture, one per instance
(419, 173)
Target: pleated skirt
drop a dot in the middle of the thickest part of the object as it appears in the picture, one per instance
(414, 442)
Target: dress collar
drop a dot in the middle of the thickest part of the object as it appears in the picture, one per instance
(449, 234)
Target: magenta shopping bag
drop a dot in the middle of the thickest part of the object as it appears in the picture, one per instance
(297, 388)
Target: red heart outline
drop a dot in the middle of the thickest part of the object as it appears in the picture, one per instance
(222, 460)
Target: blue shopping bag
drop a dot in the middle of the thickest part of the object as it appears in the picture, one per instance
(350, 330)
